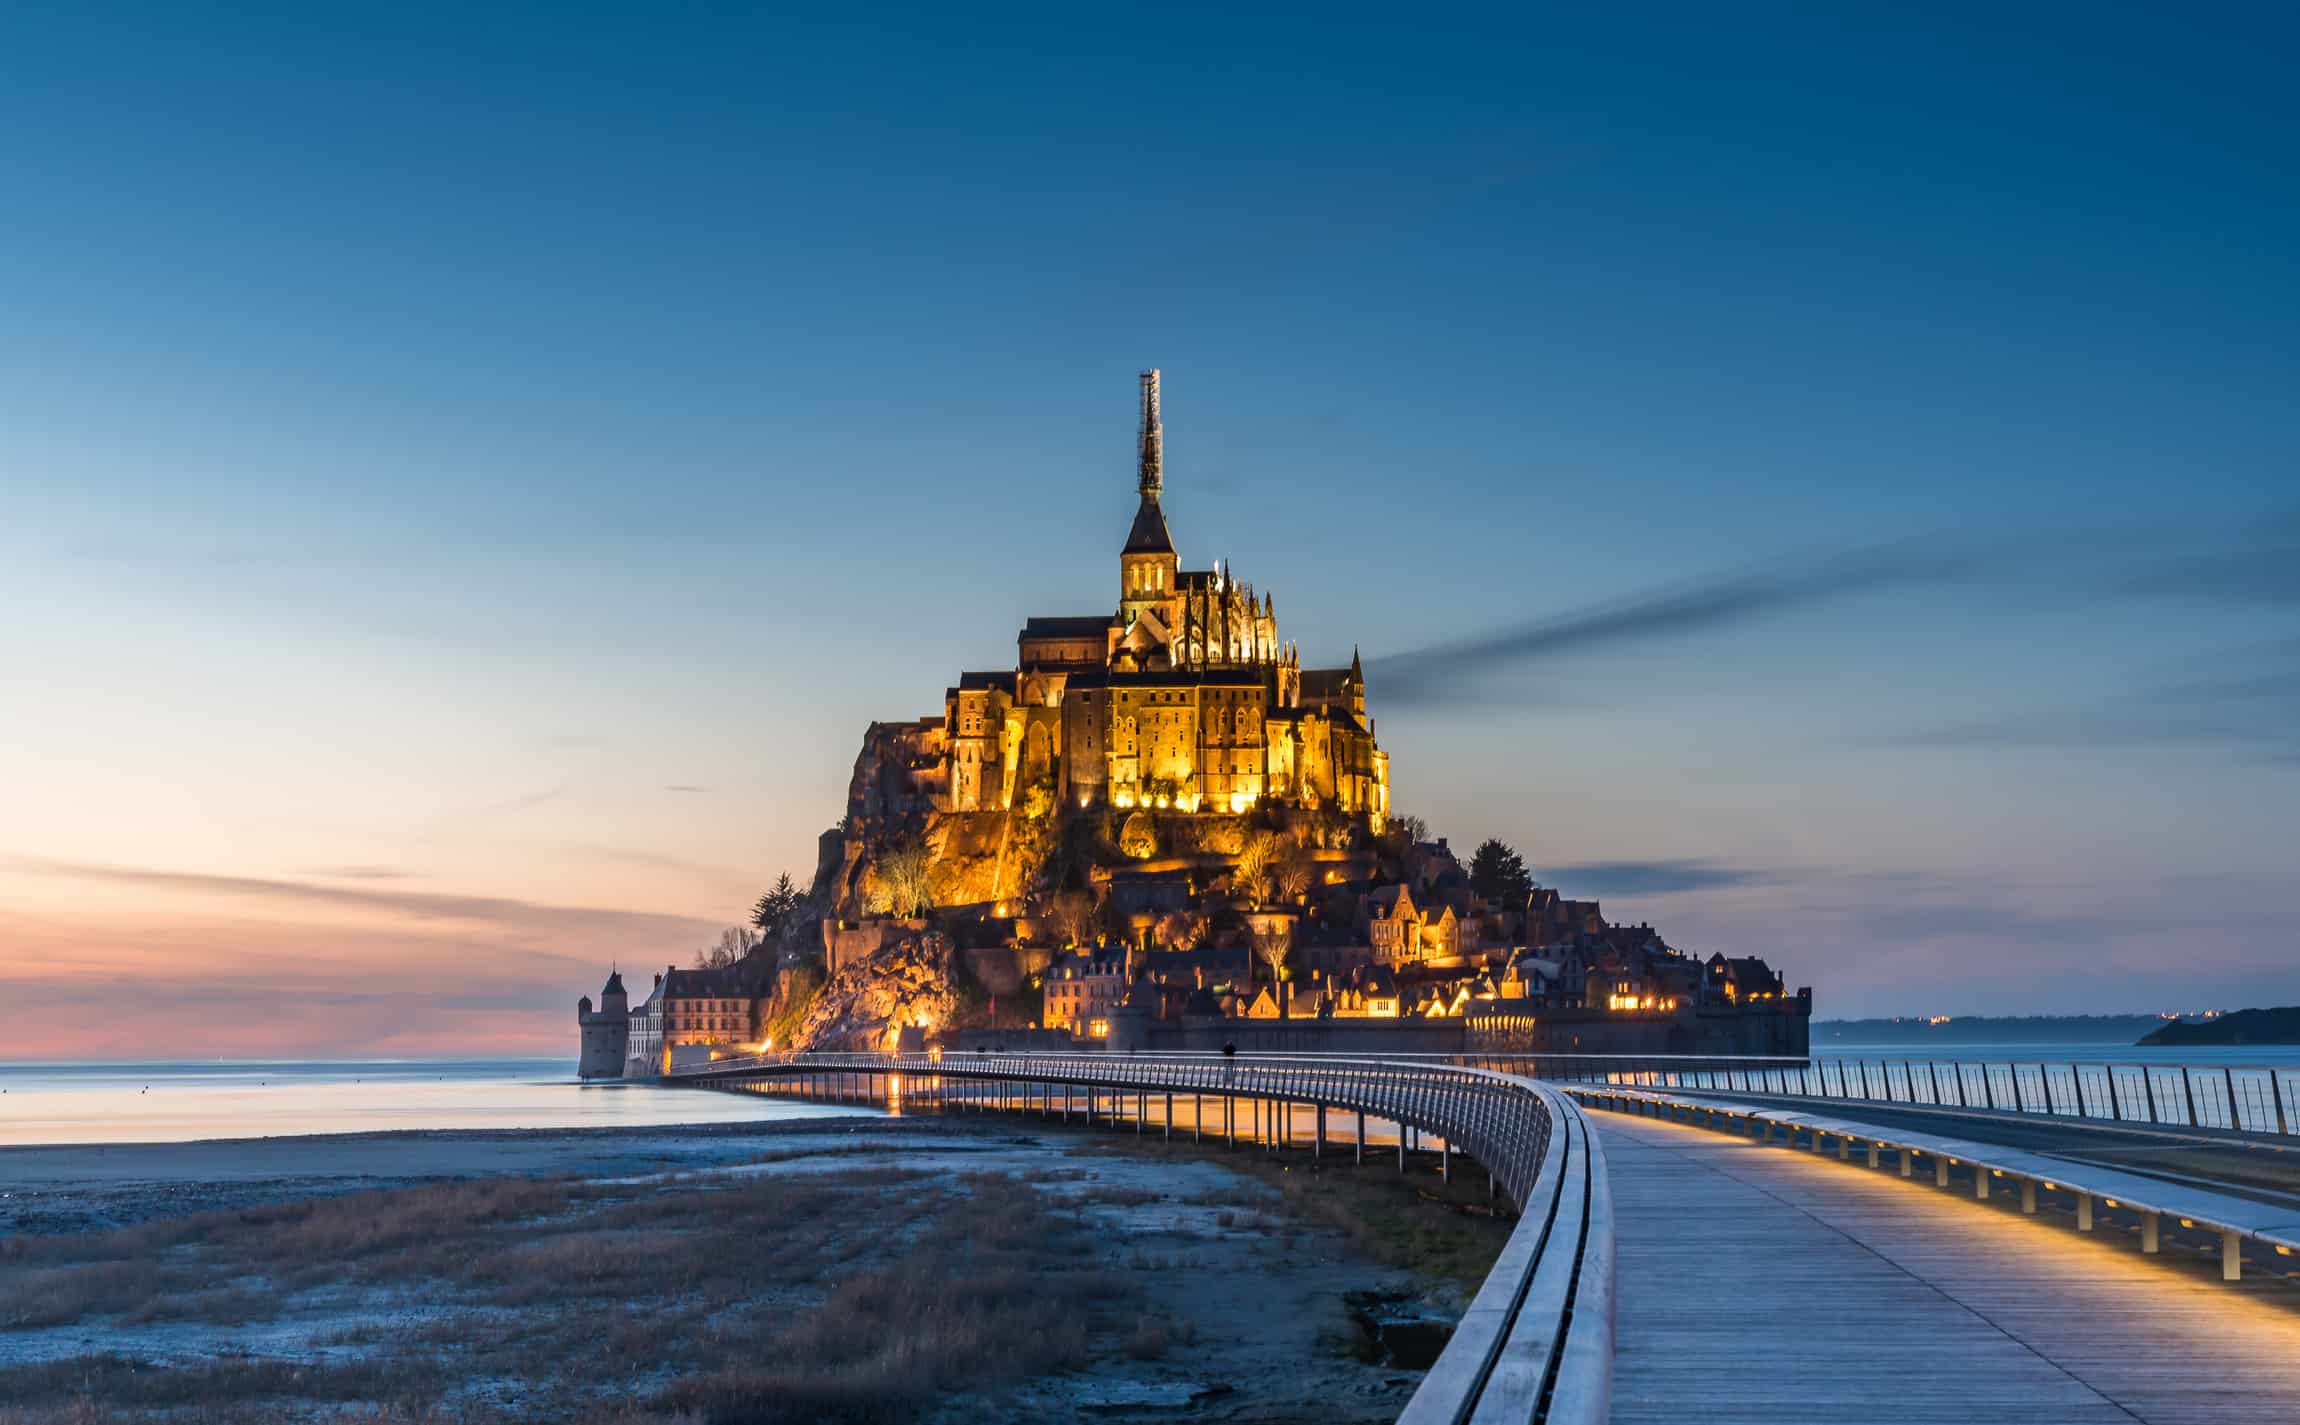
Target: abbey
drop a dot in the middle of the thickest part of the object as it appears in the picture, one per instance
(1183, 697)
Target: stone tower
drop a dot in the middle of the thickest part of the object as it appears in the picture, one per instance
(1147, 566)
(606, 1032)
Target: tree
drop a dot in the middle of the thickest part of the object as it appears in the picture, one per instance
(1255, 856)
(906, 876)
(1272, 939)
(735, 942)
(1498, 875)
(1071, 916)
(1181, 929)
(776, 907)
(1297, 871)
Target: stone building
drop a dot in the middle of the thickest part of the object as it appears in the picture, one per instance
(606, 1032)
(1083, 990)
(1183, 697)
(690, 1013)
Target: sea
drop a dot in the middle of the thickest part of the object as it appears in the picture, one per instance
(2064, 1051)
(179, 1101)
(183, 1101)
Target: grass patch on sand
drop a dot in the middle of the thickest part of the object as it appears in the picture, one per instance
(1412, 1220)
(849, 1296)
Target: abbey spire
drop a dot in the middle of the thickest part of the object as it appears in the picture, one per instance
(1152, 441)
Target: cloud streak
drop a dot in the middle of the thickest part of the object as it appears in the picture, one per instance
(1433, 674)
(426, 905)
(1653, 878)
(2254, 566)
(2253, 714)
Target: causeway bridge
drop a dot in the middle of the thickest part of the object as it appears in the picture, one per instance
(1764, 1241)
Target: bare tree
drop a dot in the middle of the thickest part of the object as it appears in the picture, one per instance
(1071, 915)
(1272, 940)
(1297, 870)
(906, 873)
(1255, 856)
(733, 944)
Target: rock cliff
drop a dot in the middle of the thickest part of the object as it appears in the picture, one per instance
(903, 984)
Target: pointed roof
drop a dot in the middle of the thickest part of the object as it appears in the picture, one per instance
(1148, 536)
(1357, 669)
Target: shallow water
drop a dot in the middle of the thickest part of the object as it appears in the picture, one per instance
(2064, 1052)
(183, 1102)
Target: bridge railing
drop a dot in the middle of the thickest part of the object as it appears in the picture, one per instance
(2262, 1099)
(2273, 1225)
(1536, 1341)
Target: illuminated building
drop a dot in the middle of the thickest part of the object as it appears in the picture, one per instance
(1182, 698)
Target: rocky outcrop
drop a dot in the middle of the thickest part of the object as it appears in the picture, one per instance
(900, 985)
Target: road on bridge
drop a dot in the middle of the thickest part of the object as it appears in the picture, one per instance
(1763, 1286)
(2246, 1165)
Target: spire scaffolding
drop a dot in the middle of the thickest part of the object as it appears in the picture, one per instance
(1153, 439)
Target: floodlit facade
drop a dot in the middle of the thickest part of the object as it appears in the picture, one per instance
(1183, 697)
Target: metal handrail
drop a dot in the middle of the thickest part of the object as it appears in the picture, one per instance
(2238, 1098)
(2235, 1219)
(1536, 1342)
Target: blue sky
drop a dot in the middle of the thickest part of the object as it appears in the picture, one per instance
(431, 435)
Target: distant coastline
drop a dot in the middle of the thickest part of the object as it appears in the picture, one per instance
(2013, 1029)
(2245, 1026)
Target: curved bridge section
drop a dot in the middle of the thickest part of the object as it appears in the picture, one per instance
(1537, 1341)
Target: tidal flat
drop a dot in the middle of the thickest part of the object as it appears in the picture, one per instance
(846, 1270)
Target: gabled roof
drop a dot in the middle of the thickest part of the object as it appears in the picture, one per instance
(1000, 681)
(1148, 536)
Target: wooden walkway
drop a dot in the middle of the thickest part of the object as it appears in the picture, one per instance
(1767, 1286)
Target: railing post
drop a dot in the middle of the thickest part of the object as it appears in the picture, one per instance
(2189, 1090)
(1318, 1148)
(1360, 1115)
(2235, 1120)
(1169, 1124)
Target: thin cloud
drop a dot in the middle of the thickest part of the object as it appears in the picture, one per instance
(683, 787)
(1731, 601)
(2254, 565)
(496, 910)
(514, 805)
(2252, 713)
(1653, 878)
(361, 873)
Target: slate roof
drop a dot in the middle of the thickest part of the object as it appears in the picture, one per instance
(1148, 536)
(1081, 626)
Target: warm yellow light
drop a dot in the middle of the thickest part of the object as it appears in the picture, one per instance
(2112, 1202)
(2186, 1223)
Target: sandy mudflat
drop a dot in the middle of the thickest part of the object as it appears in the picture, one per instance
(660, 1273)
(72, 1187)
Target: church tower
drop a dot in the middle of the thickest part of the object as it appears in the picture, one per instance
(1147, 566)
